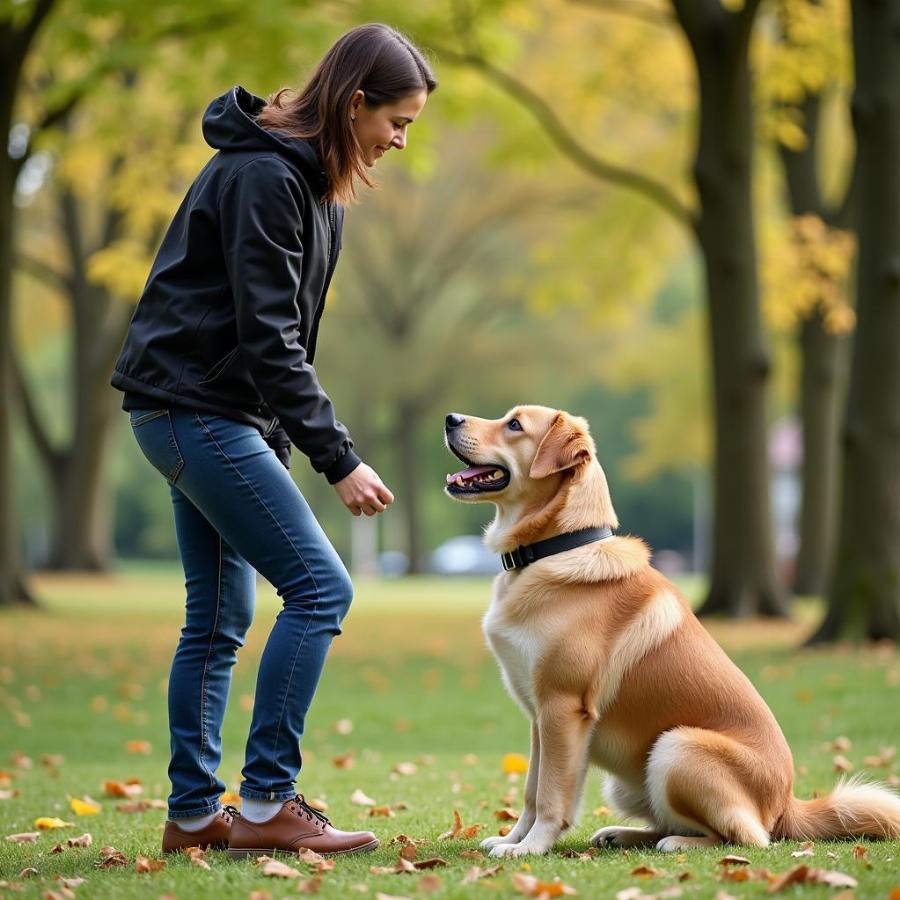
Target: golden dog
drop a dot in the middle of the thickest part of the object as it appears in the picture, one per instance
(611, 666)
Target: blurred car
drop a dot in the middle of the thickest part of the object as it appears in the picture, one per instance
(464, 554)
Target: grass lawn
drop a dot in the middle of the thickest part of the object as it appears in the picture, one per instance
(86, 675)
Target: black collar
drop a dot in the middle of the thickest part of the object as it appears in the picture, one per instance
(529, 553)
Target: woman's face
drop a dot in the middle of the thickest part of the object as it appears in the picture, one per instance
(383, 127)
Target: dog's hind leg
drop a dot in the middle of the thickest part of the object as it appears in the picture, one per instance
(526, 819)
(698, 782)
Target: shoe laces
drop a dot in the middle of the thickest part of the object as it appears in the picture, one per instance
(311, 813)
(231, 811)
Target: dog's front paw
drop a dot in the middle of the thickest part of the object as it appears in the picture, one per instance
(487, 843)
(523, 848)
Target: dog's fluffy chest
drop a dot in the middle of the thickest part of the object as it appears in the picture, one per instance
(518, 649)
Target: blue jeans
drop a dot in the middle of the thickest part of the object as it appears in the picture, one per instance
(238, 510)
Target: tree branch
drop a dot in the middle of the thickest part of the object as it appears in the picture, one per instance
(553, 127)
(49, 455)
(40, 269)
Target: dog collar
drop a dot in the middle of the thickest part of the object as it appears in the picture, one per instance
(529, 553)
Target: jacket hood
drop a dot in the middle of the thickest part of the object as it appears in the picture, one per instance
(229, 123)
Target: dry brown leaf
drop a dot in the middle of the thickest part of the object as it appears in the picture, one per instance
(405, 768)
(83, 840)
(409, 851)
(260, 895)
(30, 872)
(534, 887)
(343, 726)
(121, 789)
(382, 811)
(310, 885)
(476, 873)
(895, 893)
(602, 811)
(471, 854)
(139, 806)
(20, 760)
(143, 864)
(70, 883)
(433, 863)
(804, 874)
(842, 744)
(405, 839)
(8, 795)
(110, 858)
(806, 849)
(645, 871)
(142, 748)
(275, 869)
(860, 852)
(344, 761)
(361, 799)
(459, 830)
(52, 760)
(842, 764)
(428, 884)
(23, 837)
(506, 814)
(64, 894)
(732, 860)
(310, 856)
(590, 853)
(504, 830)
(317, 803)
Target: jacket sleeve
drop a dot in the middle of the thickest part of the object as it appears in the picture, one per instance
(261, 216)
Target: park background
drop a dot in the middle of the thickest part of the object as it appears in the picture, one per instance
(679, 220)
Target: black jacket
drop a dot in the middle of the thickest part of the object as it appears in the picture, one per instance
(228, 319)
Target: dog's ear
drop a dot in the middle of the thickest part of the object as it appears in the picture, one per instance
(565, 445)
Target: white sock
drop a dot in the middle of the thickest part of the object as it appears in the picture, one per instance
(259, 810)
(195, 823)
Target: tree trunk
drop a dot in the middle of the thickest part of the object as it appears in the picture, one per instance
(823, 356)
(744, 580)
(407, 427)
(864, 594)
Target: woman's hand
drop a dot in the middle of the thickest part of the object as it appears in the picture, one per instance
(362, 491)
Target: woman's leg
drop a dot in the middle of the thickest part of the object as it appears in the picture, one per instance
(232, 477)
(221, 590)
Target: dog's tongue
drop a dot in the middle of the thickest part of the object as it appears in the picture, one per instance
(471, 472)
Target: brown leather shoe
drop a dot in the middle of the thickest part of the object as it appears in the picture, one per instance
(295, 827)
(213, 837)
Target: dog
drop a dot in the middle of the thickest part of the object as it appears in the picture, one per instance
(611, 666)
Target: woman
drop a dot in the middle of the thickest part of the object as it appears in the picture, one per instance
(218, 380)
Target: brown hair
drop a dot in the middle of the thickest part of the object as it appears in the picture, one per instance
(376, 59)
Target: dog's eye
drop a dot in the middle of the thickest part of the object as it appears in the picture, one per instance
(514, 425)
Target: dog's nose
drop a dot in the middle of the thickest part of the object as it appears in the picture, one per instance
(454, 420)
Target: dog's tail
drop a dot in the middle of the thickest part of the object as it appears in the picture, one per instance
(853, 809)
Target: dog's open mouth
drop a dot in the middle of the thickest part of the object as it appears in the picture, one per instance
(477, 478)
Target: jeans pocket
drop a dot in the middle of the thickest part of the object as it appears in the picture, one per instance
(152, 429)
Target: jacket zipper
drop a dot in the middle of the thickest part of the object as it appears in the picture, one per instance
(332, 260)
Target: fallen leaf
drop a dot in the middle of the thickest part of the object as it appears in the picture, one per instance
(24, 837)
(534, 887)
(459, 830)
(84, 807)
(8, 795)
(361, 799)
(405, 768)
(343, 726)
(380, 896)
(514, 763)
(732, 860)
(141, 806)
(230, 798)
(110, 857)
(318, 804)
(409, 851)
(806, 849)
(310, 885)
(275, 869)
(310, 856)
(645, 871)
(143, 864)
(381, 811)
(121, 789)
(46, 823)
(30, 872)
(601, 811)
(20, 760)
(842, 764)
(70, 883)
(84, 840)
(476, 873)
(842, 744)
(433, 863)
(344, 761)
(428, 884)
(143, 748)
(197, 856)
(506, 814)
(52, 760)
(260, 895)
(860, 852)
(803, 874)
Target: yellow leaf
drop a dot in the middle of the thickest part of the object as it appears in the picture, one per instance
(514, 762)
(48, 822)
(83, 808)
